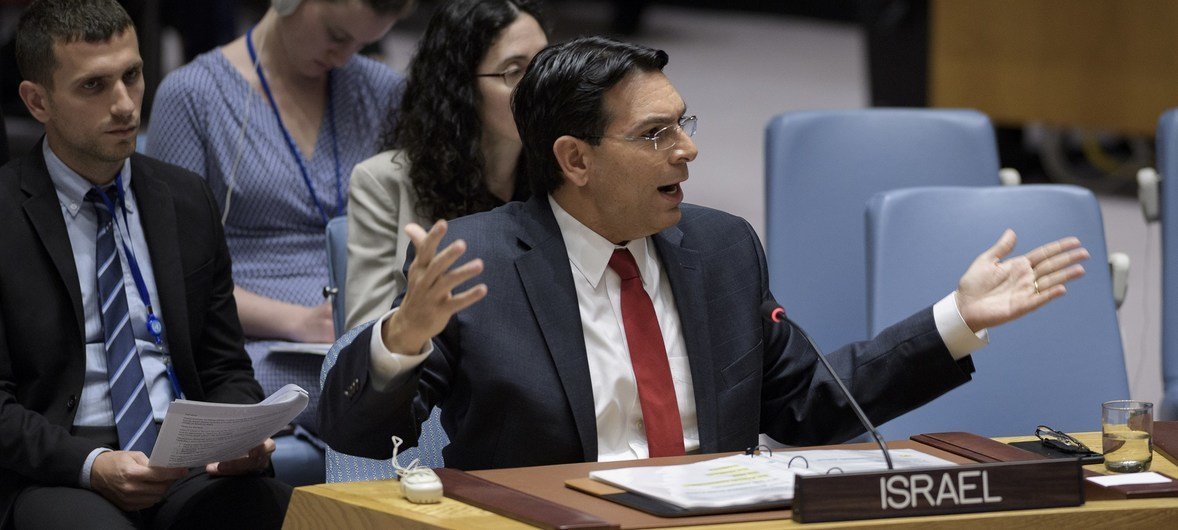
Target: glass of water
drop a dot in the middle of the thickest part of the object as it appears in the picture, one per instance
(1127, 429)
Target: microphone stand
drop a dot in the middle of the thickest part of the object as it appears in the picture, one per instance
(776, 314)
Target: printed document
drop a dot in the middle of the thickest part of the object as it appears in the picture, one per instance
(196, 433)
(747, 480)
(858, 460)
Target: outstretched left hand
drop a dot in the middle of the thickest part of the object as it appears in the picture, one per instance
(994, 291)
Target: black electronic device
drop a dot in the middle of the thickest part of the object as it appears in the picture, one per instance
(1037, 447)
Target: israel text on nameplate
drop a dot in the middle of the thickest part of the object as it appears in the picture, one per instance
(958, 489)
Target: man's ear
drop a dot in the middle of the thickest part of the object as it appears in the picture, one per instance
(36, 98)
(574, 157)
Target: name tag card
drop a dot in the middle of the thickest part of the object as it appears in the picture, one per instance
(937, 491)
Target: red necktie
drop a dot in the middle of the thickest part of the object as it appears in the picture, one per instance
(648, 354)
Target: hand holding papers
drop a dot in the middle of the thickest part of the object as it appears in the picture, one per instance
(197, 433)
(743, 480)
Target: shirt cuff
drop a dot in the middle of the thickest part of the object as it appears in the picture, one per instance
(88, 465)
(388, 369)
(959, 339)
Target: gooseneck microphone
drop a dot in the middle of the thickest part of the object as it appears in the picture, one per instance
(776, 315)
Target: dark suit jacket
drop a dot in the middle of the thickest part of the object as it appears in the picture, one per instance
(42, 341)
(511, 376)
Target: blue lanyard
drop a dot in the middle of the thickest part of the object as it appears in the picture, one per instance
(154, 325)
(294, 150)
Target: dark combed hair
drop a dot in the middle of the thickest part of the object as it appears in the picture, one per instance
(563, 93)
(65, 21)
(437, 125)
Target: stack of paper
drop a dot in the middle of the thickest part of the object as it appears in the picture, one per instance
(740, 480)
(196, 433)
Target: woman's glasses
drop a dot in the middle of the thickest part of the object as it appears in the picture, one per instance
(510, 76)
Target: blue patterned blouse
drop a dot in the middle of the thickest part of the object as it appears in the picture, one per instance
(206, 112)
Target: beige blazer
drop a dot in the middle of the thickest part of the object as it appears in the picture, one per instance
(380, 204)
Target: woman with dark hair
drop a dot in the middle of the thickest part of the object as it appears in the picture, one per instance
(453, 150)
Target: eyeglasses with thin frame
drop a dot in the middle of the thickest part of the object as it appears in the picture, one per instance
(510, 77)
(662, 139)
(1061, 440)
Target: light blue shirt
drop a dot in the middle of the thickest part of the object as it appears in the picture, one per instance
(81, 220)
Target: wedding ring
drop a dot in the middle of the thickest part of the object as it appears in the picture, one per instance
(1036, 284)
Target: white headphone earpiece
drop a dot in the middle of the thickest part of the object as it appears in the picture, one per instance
(285, 7)
(231, 182)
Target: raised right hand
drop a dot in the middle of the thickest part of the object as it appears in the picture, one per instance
(125, 479)
(429, 300)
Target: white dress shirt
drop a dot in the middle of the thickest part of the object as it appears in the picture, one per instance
(620, 433)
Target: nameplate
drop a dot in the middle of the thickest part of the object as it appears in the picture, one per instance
(936, 491)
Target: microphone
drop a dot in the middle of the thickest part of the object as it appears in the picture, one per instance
(776, 315)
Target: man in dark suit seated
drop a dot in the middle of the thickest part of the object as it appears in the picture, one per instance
(620, 323)
(92, 235)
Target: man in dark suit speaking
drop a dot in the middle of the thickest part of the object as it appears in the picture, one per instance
(115, 299)
(620, 323)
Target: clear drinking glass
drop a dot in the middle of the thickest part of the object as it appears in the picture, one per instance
(1127, 435)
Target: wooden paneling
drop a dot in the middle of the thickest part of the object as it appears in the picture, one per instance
(1098, 64)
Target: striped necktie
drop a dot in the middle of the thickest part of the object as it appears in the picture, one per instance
(128, 391)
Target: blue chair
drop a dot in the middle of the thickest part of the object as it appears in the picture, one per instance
(337, 269)
(343, 467)
(1167, 153)
(1054, 366)
(822, 166)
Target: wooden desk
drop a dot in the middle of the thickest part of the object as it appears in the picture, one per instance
(1161, 462)
(379, 505)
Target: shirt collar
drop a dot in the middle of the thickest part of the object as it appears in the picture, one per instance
(72, 187)
(589, 253)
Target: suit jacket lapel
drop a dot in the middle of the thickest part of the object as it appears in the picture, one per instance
(685, 274)
(157, 215)
(44, 211)
(548, 283)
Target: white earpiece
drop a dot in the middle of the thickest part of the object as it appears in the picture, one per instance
(231, 182)
(419, 484)
(1148, 188)
(285, 7)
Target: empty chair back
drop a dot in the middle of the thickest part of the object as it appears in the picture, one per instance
(1054, 366)
(822, 166)
(337, 268)
(1167, 152)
